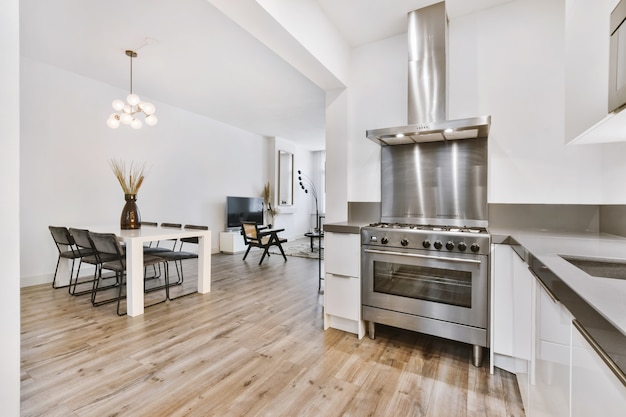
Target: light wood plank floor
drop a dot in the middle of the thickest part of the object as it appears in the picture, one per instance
(254, 346)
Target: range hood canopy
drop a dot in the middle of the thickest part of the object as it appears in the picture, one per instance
(427, 87)
(472, 128)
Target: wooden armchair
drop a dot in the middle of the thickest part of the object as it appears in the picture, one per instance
(253, 236)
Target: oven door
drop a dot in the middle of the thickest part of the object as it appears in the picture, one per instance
(441, 286)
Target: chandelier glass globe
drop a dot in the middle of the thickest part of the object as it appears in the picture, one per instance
(129, 111)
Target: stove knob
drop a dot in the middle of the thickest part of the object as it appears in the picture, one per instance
(384, 240)
(450, 245)
(462, 246)
(426, 244)
(404, 242)
(438, 245)
(475, 247)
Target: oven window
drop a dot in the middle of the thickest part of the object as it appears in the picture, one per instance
(424, 283)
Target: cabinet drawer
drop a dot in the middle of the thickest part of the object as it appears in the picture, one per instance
(342, 296)
(342, 253)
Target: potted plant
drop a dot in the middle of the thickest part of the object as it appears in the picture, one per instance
(130, 180)
(267, 201)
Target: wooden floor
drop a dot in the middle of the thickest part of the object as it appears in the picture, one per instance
(254, 346)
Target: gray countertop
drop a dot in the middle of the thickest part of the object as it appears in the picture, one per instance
(344, 227)
(598, 304)
(606, 295)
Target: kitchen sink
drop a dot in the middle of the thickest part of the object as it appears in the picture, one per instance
(599, 267)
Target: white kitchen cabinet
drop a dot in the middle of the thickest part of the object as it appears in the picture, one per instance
(342, 253)
(342, 282)
(502, 300)
(512, 289)
(596, 391)
(339, 299)
(549, 394)
(564, 374)
(512, 315)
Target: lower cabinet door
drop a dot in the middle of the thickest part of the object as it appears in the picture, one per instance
(342, 296)
(550, 372)
(596, 391)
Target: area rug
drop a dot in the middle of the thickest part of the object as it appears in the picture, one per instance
(300, 248)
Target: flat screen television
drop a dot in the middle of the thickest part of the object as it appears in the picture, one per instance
(243, 209)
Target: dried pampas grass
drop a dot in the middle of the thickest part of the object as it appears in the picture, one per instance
(130, 180)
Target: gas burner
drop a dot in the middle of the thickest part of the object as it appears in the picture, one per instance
(466, 229)
(429, 227)
(471, 240)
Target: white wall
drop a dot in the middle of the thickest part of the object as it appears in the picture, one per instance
(587, 63)
(9, 207)
(516, 58)
(378, 98)
(308, 24)
(193, 161)
(507, 61)
(337, 122)
(294, 219)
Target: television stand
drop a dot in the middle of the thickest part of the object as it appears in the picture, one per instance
(231, 242)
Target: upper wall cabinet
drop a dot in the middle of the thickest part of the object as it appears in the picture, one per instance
(587, 34)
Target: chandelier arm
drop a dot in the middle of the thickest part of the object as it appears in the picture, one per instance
(134, 106)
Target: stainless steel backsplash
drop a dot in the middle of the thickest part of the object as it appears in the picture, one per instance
(545, 217)
(435, 183)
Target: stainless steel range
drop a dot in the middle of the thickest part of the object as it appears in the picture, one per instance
(427, 278)
(425, 267)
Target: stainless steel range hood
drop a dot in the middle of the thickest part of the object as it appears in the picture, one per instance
(476, 127)
(427, 87)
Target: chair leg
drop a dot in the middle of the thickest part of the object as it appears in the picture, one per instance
(167, 280)
(265, 252)
(71, 289)
(179, 272)
(96, 283)
(156, 275)
(121, 281)
(244, 256)
(282, 251)
(96, 287)
(54, 280)
(74, 283)
(56, 270)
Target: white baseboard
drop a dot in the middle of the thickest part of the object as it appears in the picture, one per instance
(36, 280)
(47, 278)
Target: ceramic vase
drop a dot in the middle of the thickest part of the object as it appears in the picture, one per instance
(131, 218)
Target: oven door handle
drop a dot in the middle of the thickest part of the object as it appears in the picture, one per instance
(415, 255)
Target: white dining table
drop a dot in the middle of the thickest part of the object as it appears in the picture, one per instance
(135, 239)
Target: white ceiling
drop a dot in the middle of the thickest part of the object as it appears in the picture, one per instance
(192, 56)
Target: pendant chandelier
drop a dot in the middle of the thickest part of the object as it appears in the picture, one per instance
(127, 113)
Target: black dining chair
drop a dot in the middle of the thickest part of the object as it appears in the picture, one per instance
(83, 243)
(154, 248)
(67, 249)
(111, 257)
(178, 255)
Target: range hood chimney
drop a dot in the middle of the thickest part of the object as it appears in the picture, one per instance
(427, 87)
